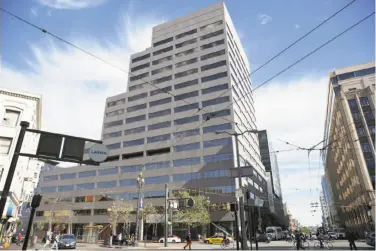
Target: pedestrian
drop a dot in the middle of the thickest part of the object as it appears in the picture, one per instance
(19, 239)
(48, 241)
(55, 243)
(188, 239)
(310, 236)
(351, 238)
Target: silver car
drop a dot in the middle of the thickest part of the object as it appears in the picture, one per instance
(67, 241)
(370, 239)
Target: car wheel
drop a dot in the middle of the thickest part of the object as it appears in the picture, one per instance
(206, 242)
(173, 241)
(161, 241)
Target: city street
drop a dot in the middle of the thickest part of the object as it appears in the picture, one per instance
(274, 245)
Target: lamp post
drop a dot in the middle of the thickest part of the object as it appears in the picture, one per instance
(241, 200)
(140, 202)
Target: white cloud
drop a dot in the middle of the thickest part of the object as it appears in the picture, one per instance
(74, 85)
(34, 11)
(294, 111)
(264, 19)
(71, 4)
(297, 26)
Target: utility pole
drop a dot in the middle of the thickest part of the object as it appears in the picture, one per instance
(166, 216)
(12, 167)
(236, 229)
(140, 204)
(34, 204)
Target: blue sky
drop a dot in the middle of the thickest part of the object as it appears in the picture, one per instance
(291, 107)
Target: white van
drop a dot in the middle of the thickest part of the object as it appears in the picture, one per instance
(275, 232)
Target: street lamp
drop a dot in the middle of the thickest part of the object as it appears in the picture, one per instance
(140, 202)
(241, 200)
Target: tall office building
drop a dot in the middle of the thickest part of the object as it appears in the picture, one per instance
(270, 162)
(15, 107)
(350, 135)
(324, 211)
(327, 202)
(181, 91)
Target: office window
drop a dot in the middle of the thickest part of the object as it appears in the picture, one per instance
(85, 186)
(134, 60)
(216, 114)
(212, 34)
(213, 44)
(68, 176)
(360, 131)
(186, 107)
(186, 177)
(187, 147)
(185, 53)
(126, 183)
(215, 128)
(213, 65)
(218, 142)
(365, 147)
(214, 77)
(113, 146)
(116, 102)
(161, 90)
(134, 130)
(186, 73)
(142, 66)
(159, 125)
(136, 107)
(213, 54)
(159, 113)
(11, 118)
(107, 184)
(141, 76)
(158, 138)
(162, 60)
(369, 115)
(160, 102)
(356, 116)
(187, 162)
(363, 101)
(109, 171)
(155, 194)
(158, 165)
(164, 50)
(135, 119)
(215, 101)
(162, 79)
(186, 84)
(371, 129)
(131, 169)
(187, 33)
(187, 120)
(157, 180)
(187, 133)
(185, 43)
(138, 96)
(115, 113)
(87, 174)
(135, 142)
(50, 178)
(48, 189)
(160, 70)
(136, 87)
(214, 89)
(164, 41)
(113, 123)
(5, 144)
(112, 135)
(65, 188)
(186, 62)
(186, 95)
(211, 26)
(352, 102)
(216, 173)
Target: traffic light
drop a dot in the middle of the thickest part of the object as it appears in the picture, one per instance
(186, 203)
(233, 207)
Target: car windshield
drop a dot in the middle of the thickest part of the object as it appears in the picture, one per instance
(270, 231)
(68, 236)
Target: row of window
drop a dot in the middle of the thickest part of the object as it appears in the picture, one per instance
(354, 74)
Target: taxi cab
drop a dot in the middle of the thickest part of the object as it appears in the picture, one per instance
(216, 239)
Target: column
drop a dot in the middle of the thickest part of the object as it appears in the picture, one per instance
(141, 229)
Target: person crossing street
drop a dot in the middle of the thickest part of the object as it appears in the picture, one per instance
(188, 239)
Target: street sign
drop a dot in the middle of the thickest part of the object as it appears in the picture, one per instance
(98, 153)
(259, 202)
(238, 193)
(141, 203)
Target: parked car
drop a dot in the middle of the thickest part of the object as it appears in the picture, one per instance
(171, 239)
(333, 235)
(370, 239)
(67, 241)
(216, 239)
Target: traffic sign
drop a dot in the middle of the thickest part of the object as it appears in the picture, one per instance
(98, 153)
(238, 193)
(141, 203)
